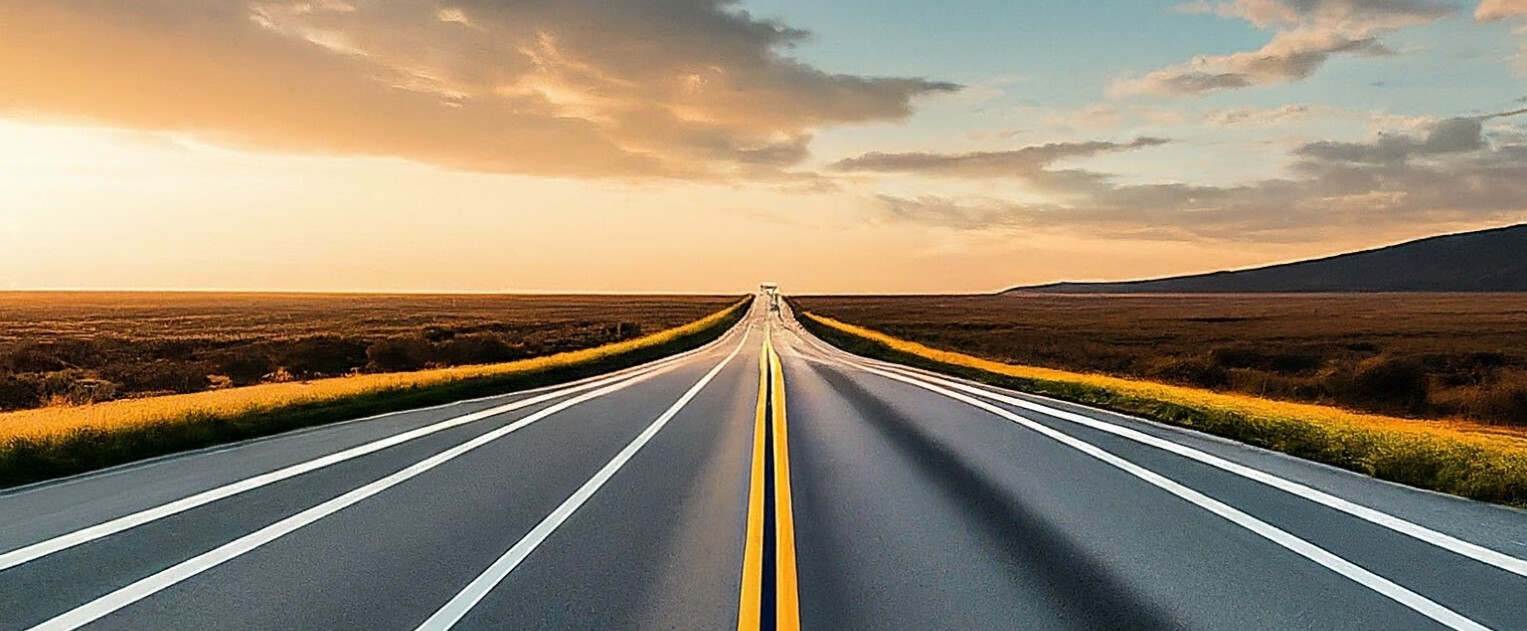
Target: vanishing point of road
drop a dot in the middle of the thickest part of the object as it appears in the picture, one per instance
(763, 481)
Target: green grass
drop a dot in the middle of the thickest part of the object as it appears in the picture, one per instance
(1467, 465)
(25, 459)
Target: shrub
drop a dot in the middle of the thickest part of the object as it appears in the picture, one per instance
(245, 369)
(30, 358)
(323, 355)
(1397, 383)
(397, 354)
(19, 392)
(474, 348)
(1193, 371)
(1506, 402)
(160, 375)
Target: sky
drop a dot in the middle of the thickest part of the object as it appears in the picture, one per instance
(852, 146)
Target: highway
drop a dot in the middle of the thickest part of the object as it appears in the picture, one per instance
(763, 481)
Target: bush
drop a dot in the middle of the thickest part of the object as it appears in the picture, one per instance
(1505, 402)
(475, 348)
(20, 392)
(244, 370)
(1397, 383)
(398, 354)
(1193, 371)
(323, 355)
(160, 375)
(30, 358)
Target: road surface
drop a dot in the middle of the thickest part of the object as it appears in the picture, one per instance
(763, 481)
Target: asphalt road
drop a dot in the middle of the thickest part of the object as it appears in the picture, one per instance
(765, 480)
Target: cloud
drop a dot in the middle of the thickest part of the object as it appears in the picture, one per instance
(1500, 9)
(1514, 10)
(1028, 162)
(660, 88)
(1259, 116)
(1449, 172)
(1454, 135)
(1306, 33)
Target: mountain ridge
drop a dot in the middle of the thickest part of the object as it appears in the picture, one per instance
(1493, 260)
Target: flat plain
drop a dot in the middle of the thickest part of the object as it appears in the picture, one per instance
(83, 347)
(1416, 355)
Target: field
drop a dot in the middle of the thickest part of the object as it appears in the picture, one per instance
(57, 440)
(1442, 356)
(78, 348)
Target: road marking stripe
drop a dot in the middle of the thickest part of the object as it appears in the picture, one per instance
(787, 596)
(143, 588)
(458, 607)
(1416, 602)
(84, 535)
(1474, 551)
(750, 603)
(1447, 542)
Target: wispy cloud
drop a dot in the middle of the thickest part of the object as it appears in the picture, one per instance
(1306, 33)
(611, 89)
(1026, 162)
(1448, 172)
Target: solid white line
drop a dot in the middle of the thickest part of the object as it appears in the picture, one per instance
(68, 540)
(143, 588)
(1400, 525)
(1447, 542)
(458, 607)
(1416, 602)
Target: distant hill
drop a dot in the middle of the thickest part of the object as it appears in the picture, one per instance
(1485, 261)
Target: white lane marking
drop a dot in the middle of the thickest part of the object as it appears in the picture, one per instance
(458, 607)
(1447, 542)
(1383, 586)
(1400, 525)
(68, 540)
(143, 588)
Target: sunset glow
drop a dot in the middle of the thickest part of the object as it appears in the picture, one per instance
(700, 146)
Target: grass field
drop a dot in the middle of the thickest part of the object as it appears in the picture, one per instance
(1473, 460)
(58, 440)
(1440, 356)
(76, 348)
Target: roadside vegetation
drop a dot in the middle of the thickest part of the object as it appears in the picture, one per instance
(1432, 356)
(63, 348)
(1478, 461)
(64, 439)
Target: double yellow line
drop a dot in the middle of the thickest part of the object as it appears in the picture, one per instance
(771, 523)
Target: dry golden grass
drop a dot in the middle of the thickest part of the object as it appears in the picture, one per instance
(1252, 407)
(60, 348)
(116, 415)
(1429, 356)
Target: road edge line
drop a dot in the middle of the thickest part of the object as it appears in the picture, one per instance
(462, 603)
(1293, 543)
(57, 543)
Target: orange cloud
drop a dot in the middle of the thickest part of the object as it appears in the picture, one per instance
(1307, 34)
(630, 89)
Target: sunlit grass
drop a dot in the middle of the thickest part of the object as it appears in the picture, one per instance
(1480, 461)
(41, 443)
(237, 401)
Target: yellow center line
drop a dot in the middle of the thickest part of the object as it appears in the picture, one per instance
(786, 591)
(751, 604)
